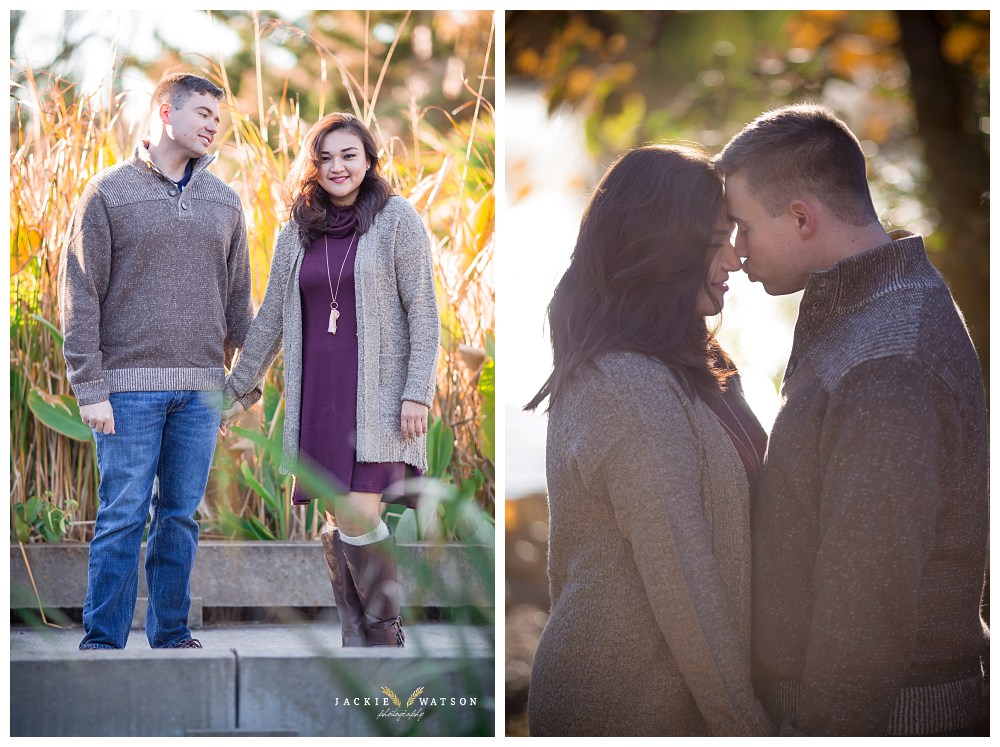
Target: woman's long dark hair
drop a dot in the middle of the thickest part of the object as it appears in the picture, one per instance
(641, 257)
(310, 202)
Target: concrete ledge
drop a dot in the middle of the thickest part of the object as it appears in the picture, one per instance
(250, 680)
(103, 693)
(266, 574)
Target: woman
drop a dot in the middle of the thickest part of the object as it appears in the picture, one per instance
(351, 298)
(651, 458)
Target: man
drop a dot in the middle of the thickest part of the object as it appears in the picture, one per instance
(870, 527)
(154, 288)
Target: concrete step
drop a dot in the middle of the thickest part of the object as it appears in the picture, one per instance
(252, 679)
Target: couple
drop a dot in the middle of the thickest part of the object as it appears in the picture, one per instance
(154, 292)
(862, 532)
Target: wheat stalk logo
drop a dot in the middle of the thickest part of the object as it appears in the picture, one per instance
(393, 697)
(416, 694)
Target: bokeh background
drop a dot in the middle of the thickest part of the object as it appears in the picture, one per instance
(584, 86)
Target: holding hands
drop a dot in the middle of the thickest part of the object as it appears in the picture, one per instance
(229, 415)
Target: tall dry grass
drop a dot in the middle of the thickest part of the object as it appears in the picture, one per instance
(444, 165)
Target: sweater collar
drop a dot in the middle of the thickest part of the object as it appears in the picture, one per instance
(142, 156)
(854, 281)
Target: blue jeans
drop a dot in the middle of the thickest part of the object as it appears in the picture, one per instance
(169, 436)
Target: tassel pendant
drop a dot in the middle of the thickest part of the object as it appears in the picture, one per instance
(334, 316)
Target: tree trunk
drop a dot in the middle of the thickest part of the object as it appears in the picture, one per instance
(958, 170)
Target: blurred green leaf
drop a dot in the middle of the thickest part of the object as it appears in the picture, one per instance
(271, 399)
(272, 502)
(311, 480)
(49, 521)
(239, 528)
(53, 329)
(20, 526)
(487, 415)
(32, 508)
(392, 514)
(440, 447)
(60, 413)
(406, 527)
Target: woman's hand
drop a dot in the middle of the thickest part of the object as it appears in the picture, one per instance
(229, 415)
(413, 419)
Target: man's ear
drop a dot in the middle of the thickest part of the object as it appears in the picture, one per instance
(805, 215)
(165, 113)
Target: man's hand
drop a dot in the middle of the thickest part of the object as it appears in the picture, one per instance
(99, 416)
(413, 419)
(229, 415)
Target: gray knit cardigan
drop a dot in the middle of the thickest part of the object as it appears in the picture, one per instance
(398, 333)
(649, 563)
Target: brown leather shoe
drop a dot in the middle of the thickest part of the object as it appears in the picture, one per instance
(373, 568)
(386, 633)
(352, 615)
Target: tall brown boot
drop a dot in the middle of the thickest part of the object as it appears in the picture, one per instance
(352, 614)
(373, 568)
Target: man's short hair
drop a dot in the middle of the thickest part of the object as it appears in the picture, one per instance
(799, 149)
(175, 89)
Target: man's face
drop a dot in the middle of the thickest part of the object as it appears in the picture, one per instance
(192, 125)
(770, 245)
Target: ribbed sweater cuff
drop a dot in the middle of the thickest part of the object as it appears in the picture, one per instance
(421, 396)
(919, 711)
(91, 392)
(230, 395)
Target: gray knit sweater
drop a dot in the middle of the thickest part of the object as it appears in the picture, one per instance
(154, 283)
(871, 525)
(398, 333)
(649, 563)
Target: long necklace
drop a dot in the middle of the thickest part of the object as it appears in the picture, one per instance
(334, 313)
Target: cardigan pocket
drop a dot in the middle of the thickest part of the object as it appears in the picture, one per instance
(392, 371)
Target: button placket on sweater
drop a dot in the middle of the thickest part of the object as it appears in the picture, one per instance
(185, 206)
(184, 211)
(184, 203)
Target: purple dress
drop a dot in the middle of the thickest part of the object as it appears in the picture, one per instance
(327, 438)
(743, 429)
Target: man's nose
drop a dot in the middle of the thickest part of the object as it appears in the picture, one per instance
(740, 245)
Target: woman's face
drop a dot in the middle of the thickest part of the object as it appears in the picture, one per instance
(724, 261)
(342, 166)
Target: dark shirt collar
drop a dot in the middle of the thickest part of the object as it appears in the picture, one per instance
(141, 154)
